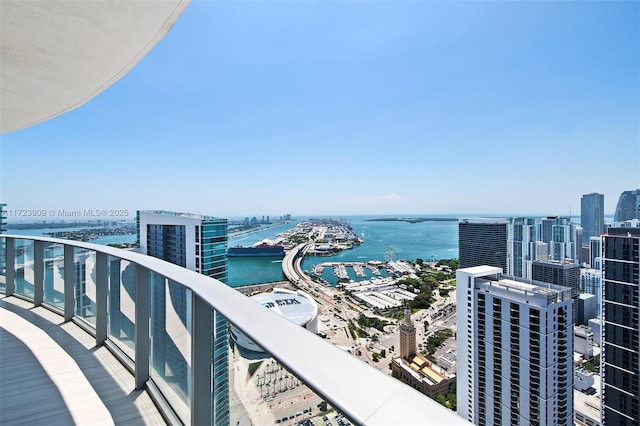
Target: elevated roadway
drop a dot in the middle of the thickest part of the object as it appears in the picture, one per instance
(291, 265)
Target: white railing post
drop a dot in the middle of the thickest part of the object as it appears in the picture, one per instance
(201, 335)
(141, 337)
(38, 272)
(102, 283)
(69, 282)
(10, 266)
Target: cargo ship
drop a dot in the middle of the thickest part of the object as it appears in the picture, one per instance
(262, 249)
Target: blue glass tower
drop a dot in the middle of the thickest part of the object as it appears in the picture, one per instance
(199, 243)
(628, 206)
(592, 215)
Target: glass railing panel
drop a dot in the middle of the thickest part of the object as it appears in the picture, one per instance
(170, 331)
(3, 269)
(121, 304)
(54, 275)
(221, 370)
(263, 392)
(85, 284)
(24, 267)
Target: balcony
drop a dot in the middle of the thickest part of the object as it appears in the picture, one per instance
(167, 327)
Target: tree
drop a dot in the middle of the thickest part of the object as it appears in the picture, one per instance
(437, 339)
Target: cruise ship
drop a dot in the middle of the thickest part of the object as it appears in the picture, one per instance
(262, 249)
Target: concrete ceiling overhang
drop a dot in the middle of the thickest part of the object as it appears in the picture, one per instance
(57, 55)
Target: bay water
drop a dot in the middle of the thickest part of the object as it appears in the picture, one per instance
(383, 241)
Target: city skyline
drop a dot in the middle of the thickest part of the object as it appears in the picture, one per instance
(396, 108)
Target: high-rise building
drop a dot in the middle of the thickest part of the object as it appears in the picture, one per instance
(545, 231)
(522, 244)
(564, 239)
(407, 336)
(542, 250)
(195, 242)
(592, 215)
(595, 251)
(580, 255)
(198, 243)
(620, 359)
(586, 308)
(591, 283)
(514, 350)
(482, 242)
(564, 273)
(628, 206)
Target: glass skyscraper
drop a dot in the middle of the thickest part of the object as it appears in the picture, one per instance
(565, 239)
(592, 215)
(621, 335)
(199, 243)
(482, 242)
(522, 244)
(628, 206)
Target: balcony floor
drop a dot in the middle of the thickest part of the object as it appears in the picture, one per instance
(52, 373)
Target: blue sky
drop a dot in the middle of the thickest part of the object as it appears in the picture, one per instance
(362, 107)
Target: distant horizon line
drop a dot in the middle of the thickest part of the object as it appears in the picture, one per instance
(53, 219)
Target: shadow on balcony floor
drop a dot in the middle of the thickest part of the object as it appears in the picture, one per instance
(53, 373)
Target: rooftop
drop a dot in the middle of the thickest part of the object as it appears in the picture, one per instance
(297, 306)
(482, 271)
(422, 369)
(484, 221)
(181, 214)
(537, 293)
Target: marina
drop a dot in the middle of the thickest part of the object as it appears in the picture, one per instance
(341, 272)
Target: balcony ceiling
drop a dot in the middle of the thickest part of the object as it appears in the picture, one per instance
(57, 55)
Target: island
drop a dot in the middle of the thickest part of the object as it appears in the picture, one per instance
(414, 219)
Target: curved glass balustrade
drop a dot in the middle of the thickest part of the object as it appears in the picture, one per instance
(170, 326)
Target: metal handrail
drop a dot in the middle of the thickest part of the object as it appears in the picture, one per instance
(362, 393)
